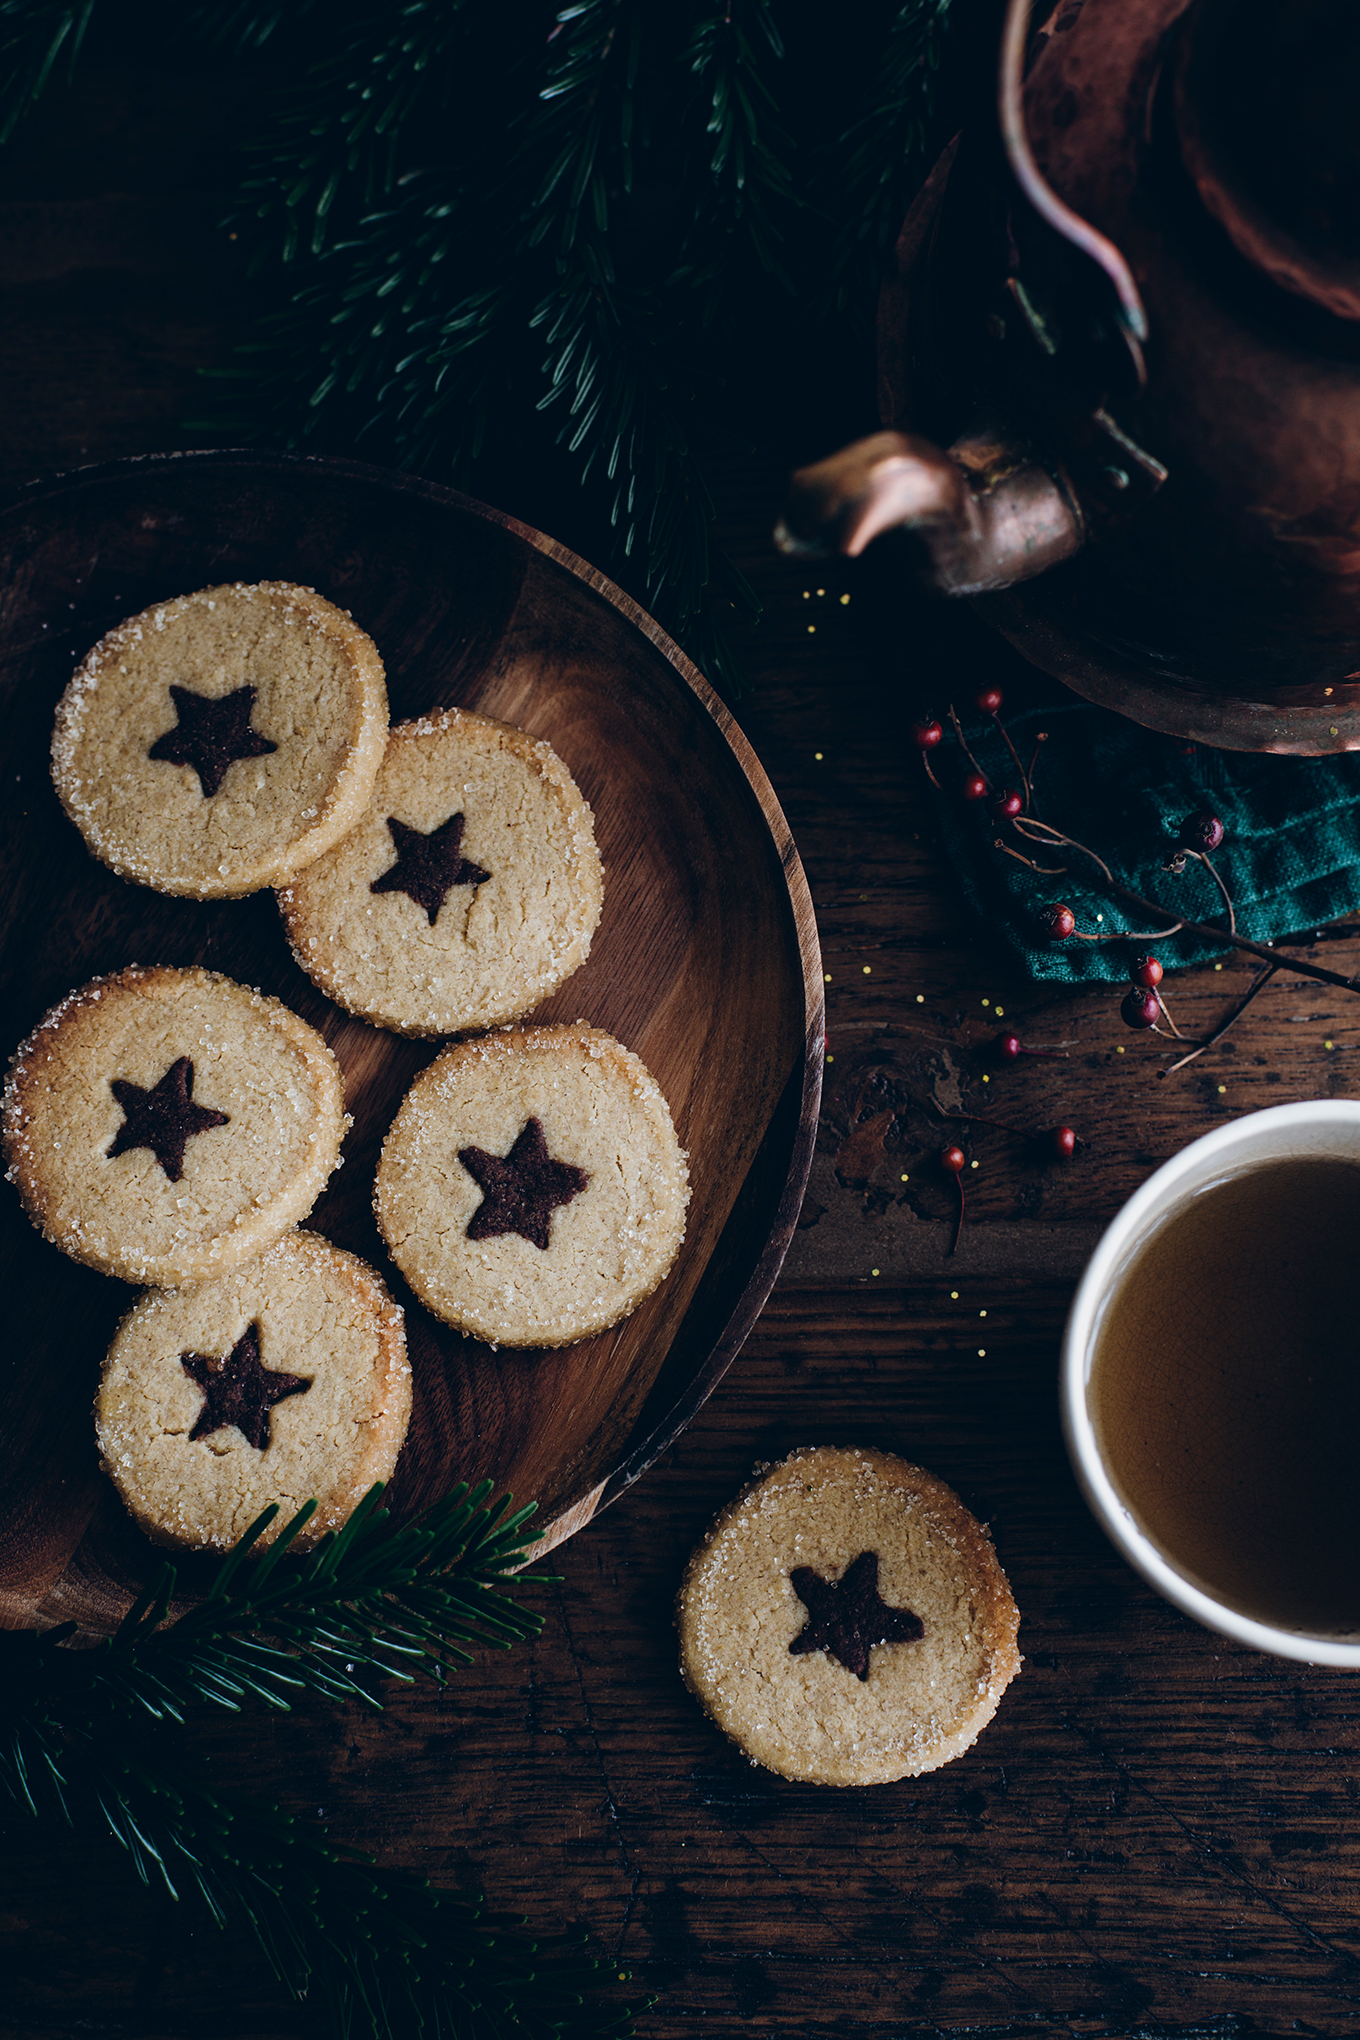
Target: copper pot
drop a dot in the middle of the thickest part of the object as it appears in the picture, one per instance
(1132, 317)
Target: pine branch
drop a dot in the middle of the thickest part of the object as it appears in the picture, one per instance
(584, 121)
(35, 35)
(242, 25)
(877, 163)
(746, 169)
(606, 358)
(373, 1602)
(388, 1954)
(385, 1952)
(603, 365)
(340, 130)
(425, 312)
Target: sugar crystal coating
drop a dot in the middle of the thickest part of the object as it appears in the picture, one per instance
(609, 1246)
(302, 765)
(522, 898)
(318, 1315)
(807, 1716)
(244, 1183)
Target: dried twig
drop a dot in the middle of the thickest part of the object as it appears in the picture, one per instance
(1024, 776)
(1044, 870)
(1227, 896)
(1258, 984)
(1138, 904)
(957, 728)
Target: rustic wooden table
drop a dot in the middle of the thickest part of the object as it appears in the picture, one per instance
(1155, 1836)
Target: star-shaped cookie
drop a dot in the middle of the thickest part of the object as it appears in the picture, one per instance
(846, 1616)
(521, 1189)
(213, 731)
(164, 1119)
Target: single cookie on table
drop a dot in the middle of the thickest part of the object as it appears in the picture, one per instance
(846, 1621)
(468, 892)
(531, 1187)
(281, 1382)
(222, 741)
(167, 1125)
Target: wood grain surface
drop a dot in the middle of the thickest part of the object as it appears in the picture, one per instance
(1157, 1836)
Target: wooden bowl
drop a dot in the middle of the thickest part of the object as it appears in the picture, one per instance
(706, 963)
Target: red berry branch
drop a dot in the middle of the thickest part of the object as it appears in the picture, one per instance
(1143, 1006)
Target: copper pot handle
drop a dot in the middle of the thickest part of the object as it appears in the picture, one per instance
(988, 516)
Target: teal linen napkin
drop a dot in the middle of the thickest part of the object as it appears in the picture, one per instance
(1290, 855)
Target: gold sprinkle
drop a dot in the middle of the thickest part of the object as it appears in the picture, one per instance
(986, 1002)
(1327, 690)
(986, 1080)
(1222, 1089)
(827, 976)
(982, 1313)
(1332, 731)
(1218, 966)
(1000, 1012)
(819, 755)
(1119, 1051)
(1327, 1044)
(868, 970)
(831, 1058)
(811, 629)
(873, 1271)
(973, 1165)
(953, 1295)
(982, 1352)
(920, 998)
(906, 1179)
(845, 600)
(821, 591)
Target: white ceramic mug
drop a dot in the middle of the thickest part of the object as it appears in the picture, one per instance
(1321, 1129)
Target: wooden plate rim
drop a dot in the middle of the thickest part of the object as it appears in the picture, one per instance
(762, 1279)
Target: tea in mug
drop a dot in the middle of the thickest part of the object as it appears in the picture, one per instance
(1225, 1391)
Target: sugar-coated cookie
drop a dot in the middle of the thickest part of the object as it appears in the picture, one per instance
(167, 1125)
(467, 893)
(531, 1187)
(222, 741)
(845, 1620)
(281, 1382)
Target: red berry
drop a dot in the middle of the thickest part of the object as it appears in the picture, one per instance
(1008, 1046)
(926, 735)
(1007, 805)
(1063, 1142)
(1203, 832)
(975, 787)
(989, 699)
(953, 1159)
(1058, 922)
(1146, 971)
(1140, 1008)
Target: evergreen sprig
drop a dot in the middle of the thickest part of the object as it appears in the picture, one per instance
(876, 164)
(577, 212)
(35, 36)
(387, 1953)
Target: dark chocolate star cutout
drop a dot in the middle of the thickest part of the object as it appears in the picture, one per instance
(239, 1389)
(429, 865)
(211, 734)
(164, 1119)
(846, 1616)
(522, 1189)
